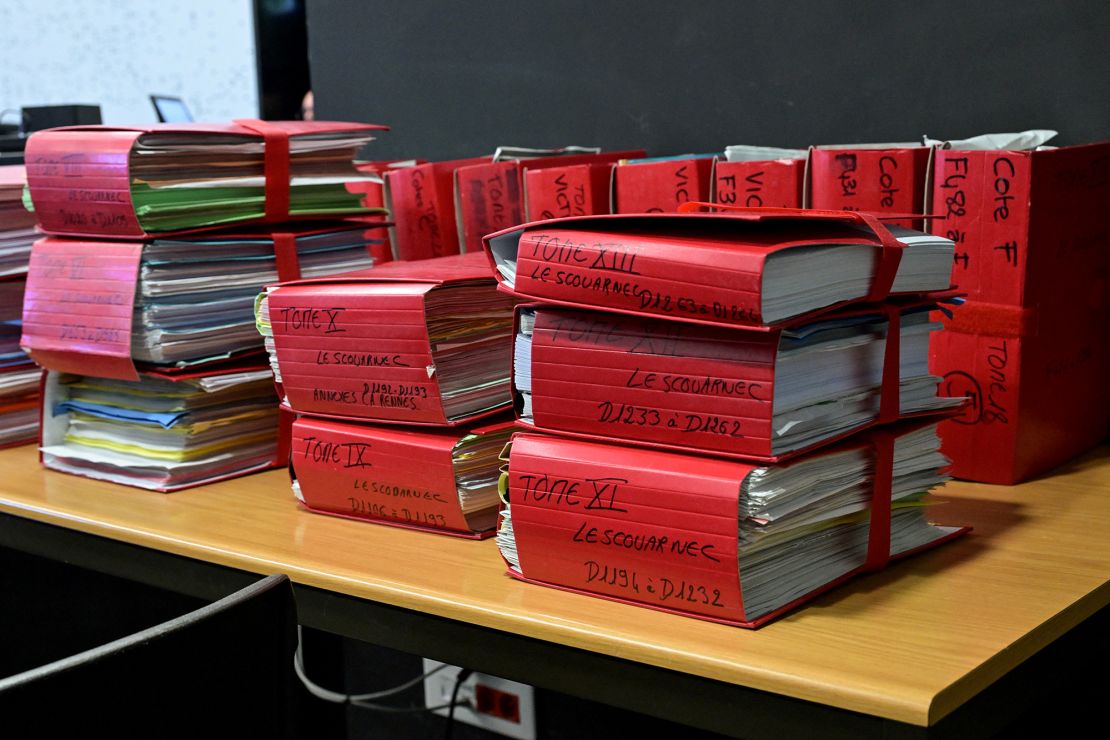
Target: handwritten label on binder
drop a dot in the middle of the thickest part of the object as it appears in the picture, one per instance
(79, 304)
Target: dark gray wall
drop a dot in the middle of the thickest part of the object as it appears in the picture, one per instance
(458, 78)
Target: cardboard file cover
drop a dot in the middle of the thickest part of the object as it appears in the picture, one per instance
(402, 477)
(775, 183)
(1029, 346)
(704, 390)
(79, 307)
(80, 176)
(489, 198)
(648, 528)
(873, 178)
(356, 346)
(661, 186)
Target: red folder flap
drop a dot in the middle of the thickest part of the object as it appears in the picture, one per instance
(79, 304)
(80, 178)
(378, 473)
(357, 351)
(456, 268)
(699, 267)
(776, 183)
(661, 186)
(877, 179)
(558, 192)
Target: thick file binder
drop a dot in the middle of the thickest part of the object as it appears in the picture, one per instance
(427, 342)
(752, 268)
(442, 480)
(722, 391)
(105, 181)
(720, 540)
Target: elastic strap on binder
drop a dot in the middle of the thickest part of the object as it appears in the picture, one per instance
(275, 165)
(994, 319)
(285, 252)
(890, 254)
(878, 534)
(890, 401)
(285, 437)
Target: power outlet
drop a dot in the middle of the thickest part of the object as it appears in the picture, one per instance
(495, 704)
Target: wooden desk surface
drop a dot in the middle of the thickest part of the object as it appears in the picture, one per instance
(911, 643)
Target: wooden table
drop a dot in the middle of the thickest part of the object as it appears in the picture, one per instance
(898, 650)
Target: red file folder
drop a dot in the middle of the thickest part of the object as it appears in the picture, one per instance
(879, 178)
(80, 176)
(421, 203)
(1029, 346)
(662, 185)
(774, 183)
(488, 195)
(357, 346)
(705, 268)
(697, 389)
(567, 190)
(79, 310)
(658, 529)
(400, 477)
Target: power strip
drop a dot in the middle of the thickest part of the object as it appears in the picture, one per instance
(492, 703)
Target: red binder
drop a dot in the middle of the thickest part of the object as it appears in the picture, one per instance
(879, 178)
(697, 389)
(569, 190)
(661, 185)
(1029, 345)
(79, 309)
(488, 195)
(774, 183)
(421, 204)
(357, 346)
(400, 477)
(662, 530)
(704, 268)
(80, 176)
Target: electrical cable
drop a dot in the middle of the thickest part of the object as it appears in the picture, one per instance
(336, 697)
(459, 679)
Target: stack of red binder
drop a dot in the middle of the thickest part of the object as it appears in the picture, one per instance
(1029, 345)
(725, 393)
(424, 344)
(444, 208)
(19, 378)
(140, 300)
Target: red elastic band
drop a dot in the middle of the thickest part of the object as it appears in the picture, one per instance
(878, 533)
(890, 253)
(285, 252)
(890, 401)
(275, 166)
(993, 319)
(285, 437)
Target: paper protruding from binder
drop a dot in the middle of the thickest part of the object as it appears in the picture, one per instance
(1022, 140)
(750, 153)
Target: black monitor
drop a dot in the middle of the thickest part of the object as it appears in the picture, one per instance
(171, 109)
